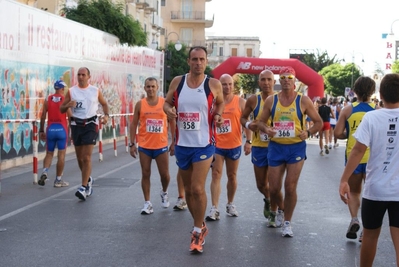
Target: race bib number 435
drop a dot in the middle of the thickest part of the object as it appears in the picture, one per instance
(285, 129)
(154, 125)
(189, 121)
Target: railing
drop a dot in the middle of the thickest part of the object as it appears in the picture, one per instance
(190, 15)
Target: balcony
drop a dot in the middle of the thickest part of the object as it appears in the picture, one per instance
(191, 17)
(157, 22)
(141, 4)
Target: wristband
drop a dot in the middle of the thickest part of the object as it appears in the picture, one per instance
(131, 145)
(247, 124)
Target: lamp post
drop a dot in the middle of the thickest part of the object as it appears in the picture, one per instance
(178, 47)
(353, 64)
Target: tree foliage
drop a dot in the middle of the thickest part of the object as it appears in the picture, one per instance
(395, 66)
(319, 61)
(247, 82)
(337, 77)
(109, 17)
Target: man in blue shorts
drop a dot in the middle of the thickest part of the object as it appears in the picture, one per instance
(56, 134)
(196, 102)
(287, 148)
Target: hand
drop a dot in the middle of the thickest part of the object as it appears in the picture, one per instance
(42, 136)
(270, 131)
(253, 126)
(133, 151)
(344, 192)
(172, 149)
(71, 104)
(218, 119)
(304, 135)
(247, 149)
(104, 119)
(171, 113)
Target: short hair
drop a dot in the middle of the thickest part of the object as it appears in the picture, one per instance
(324, 100)
(151, 79)
(389, 88)
(86, 68)
(364, 88)
(195, 48)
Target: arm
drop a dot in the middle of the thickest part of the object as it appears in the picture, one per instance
(169, 106)
(104, 104)
(172, 126)
(311, 111)
(133, 129)
(340, 131)
(353, 161)
(248, 132)
(332, 113)
(67, 103)
(264, 117)
(217, 91)
(42, 134)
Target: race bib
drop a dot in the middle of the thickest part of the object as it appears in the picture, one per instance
(154, 125)
(263, 136)
(80, 109)
(224, 128)
(189, 121)
(285, 129)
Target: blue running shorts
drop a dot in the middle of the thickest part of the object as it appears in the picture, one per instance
(56, 136)
(233, 153)
(286, 153)
(153, 153)
(185, 156)
(259, 156)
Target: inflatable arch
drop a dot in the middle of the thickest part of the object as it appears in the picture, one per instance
(250, 65)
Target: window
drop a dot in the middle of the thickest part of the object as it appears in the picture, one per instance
(234, 52)
(249, 52)
(163, 2)
(186, 35)
(220, 51)
(187, 8)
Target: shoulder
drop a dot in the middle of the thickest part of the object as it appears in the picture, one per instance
(214, 82)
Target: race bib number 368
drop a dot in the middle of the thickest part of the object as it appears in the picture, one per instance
(189, 121)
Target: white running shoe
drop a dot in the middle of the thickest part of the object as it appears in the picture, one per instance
(326, 148)
(89, 188)
(213, 215)
(164, 199)
(231, 210)
(354, 226)
(81, 193)
(330, 146)
(321, 153)
(181, 204)
(147, 209)
(279, 218)
(60, 183)
(287, 230)
(336, 145)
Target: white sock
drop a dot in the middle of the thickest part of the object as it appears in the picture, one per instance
(196, 229)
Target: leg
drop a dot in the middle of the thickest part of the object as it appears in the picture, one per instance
(145, 163)
(275, 175)
(262, 180)
(231, 171)
(162, 161)
(217, 171)
(369, 246)
(355, 183)
(180, 185)
(321, 139)
(83, 153)
(194, 184)
(395, 240)
(290, 185)
(48, 159)
(60, 162)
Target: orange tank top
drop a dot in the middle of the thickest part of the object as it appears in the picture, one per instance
(153, 129)
(229, 135)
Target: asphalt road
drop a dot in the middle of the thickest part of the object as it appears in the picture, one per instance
(47, 226)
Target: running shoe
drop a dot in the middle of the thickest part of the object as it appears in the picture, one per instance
(272, 220)
(354, 226)
(287, 230)
(326, 148)
(361, 237)
(60, 183)
(321, 153)
(266, 208)
(43, 179)
(330, 146)
(213, 215)
(196, 242)
(231, 210)
(336, 145)
(81, 193)
(89, 187)
(164, 199)
(181, 204)
(279, 218)
(204, 232)
(147, 209)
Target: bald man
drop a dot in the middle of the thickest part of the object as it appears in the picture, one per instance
(228, 149)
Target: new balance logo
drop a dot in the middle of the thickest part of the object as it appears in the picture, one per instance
(244, 66)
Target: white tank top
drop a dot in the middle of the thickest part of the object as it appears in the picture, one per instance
(194, 120)
(334, 111)
(86, 101)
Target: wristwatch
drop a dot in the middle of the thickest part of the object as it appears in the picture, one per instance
(249, 142)
(131, 144)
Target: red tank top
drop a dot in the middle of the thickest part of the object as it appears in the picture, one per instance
(54, 114)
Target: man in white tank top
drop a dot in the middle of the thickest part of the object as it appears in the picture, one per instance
(196, 103)
(83, 100)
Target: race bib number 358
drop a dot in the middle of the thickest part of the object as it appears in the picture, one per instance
(189, 121)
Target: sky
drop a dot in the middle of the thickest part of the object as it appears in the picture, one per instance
(350, 29)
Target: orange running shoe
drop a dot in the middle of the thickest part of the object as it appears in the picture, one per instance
(196, 242)
(204, 232)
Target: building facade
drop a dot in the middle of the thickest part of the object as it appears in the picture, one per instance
(222, 47)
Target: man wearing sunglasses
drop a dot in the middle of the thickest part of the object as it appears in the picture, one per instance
(287, 147)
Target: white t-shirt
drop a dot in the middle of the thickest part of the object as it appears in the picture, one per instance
(379, 130)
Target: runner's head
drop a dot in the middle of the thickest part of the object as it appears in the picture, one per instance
(60, 84)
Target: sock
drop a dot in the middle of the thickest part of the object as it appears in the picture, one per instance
(148, 202)
(58, 178)
(45, 170)
(198, 230)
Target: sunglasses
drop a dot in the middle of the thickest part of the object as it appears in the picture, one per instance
(289, 77)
